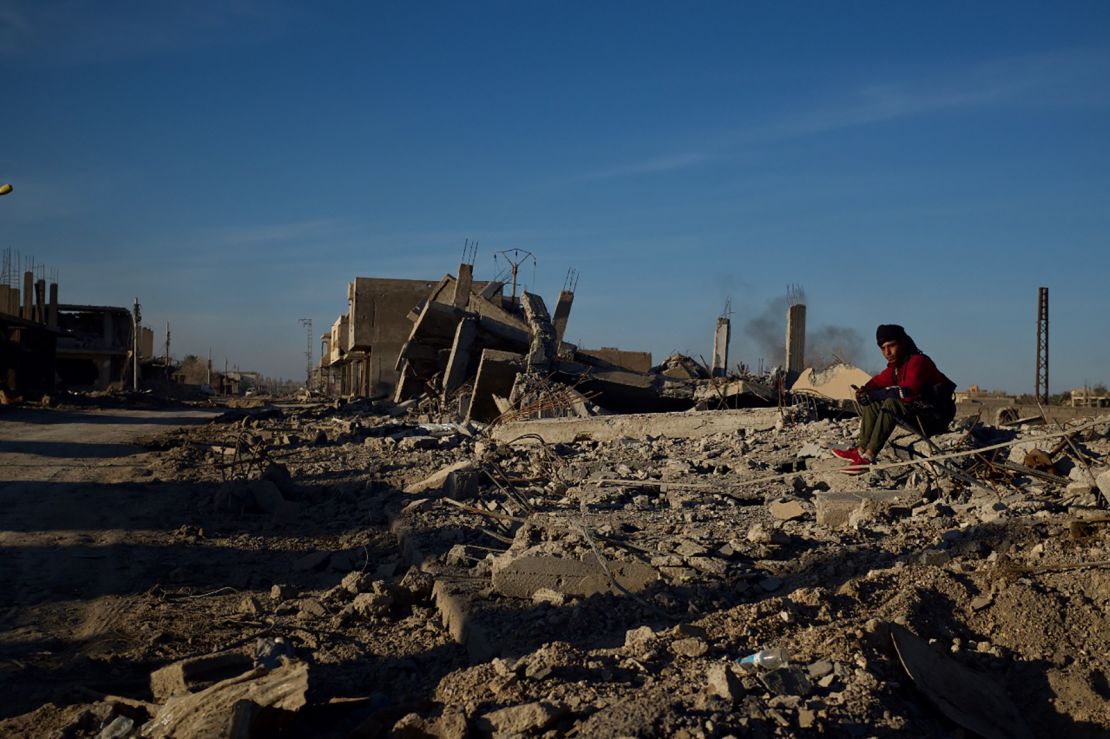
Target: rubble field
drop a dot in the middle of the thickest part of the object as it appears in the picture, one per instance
(366, 569)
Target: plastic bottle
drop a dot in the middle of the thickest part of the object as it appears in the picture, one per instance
(768, 659)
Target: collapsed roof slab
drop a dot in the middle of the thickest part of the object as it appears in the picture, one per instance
(497, 373)
(834, 382)
(641, 425)
(614, 358)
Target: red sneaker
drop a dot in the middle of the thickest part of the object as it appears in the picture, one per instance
(849, 454)
(859, 465)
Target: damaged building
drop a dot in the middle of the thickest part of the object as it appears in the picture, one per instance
(485, 353)
(28, 335)
(45, 344)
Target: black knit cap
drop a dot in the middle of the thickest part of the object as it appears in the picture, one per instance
(889, 332)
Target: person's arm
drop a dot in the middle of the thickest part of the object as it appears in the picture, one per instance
(882, 380)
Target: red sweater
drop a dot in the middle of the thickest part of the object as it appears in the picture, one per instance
(914, 376)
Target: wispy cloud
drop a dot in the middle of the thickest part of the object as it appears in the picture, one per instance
(654, 165)
(1063, 79)
(87, 31)
(1069, 78)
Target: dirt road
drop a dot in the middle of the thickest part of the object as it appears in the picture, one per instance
(79, 529)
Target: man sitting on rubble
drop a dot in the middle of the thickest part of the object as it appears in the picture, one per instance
(910, 389)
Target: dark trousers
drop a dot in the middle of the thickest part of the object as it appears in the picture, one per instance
(878, 420)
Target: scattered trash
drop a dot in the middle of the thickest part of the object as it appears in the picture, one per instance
(767, 659)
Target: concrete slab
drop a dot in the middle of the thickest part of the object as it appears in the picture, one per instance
(840, 510)
(834, 383)
(497, 372)
(521, 577)
(640, 425)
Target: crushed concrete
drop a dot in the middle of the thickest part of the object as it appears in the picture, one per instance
(484, 601)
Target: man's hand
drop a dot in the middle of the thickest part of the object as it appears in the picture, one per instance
(863, 397)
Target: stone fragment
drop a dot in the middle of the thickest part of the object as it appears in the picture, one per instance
(639, 636)
(820, 668)
(439, 479)
(788, 680)
(279, 593)
(372, 604)
(720, 681)
(787, 510)
(415, 587)
(196, 673)
(464, 555)
(838, 510)
(410, 443)
(689, 647)
(250, 606)
(357, 582)
(522, 719)
(1103, 482)
(312, 607)
(120, 727)
(450, 725)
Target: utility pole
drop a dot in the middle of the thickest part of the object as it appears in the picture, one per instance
(209, 382)
(515, 257)
(167, 343)
(1041, 391)
(307, 323)
(136, 321)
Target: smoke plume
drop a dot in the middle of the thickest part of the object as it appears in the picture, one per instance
(825, 345)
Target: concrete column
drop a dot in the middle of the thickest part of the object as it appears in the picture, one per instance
(28, 296)
(562, 314)
(52, 308)
(459, 361)
(720, 347)
(796, 340)
(461, 297)
(40, 301)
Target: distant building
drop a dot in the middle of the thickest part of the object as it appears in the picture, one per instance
(1085, 397)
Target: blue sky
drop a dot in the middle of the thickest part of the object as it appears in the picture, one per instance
(234, 164)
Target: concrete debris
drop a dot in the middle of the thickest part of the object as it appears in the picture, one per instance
(526, 718)
(832, 383)
(522, 576)
(197, 673)
(466, 343)
(964, 695)
(558, 573)
(244, 706)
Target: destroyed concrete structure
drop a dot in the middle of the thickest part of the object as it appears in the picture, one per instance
(28, 335)
(469, 345)
(94, 350)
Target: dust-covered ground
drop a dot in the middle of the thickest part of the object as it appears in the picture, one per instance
(135, 539)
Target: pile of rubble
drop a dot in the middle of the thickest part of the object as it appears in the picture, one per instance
(673, 574)
(483, 355)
